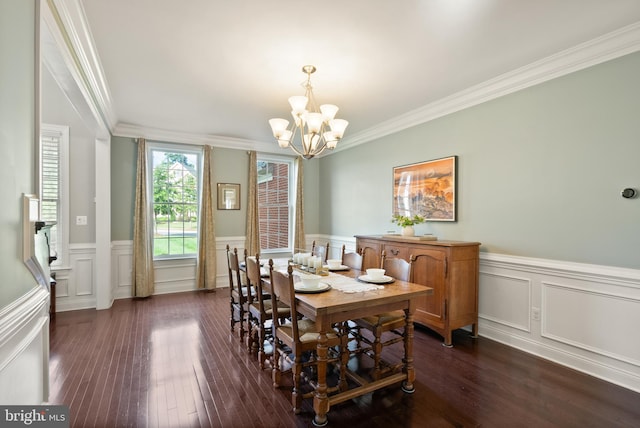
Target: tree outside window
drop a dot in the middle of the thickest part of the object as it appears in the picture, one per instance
(175, 202)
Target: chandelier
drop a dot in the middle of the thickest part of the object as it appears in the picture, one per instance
(318, 129)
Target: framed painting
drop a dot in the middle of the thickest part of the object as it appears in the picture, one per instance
(228, 196)
(427, 189)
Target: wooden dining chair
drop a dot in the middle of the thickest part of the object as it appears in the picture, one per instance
(261, 310)
(388, 322)
(353, 260)
(239, 291)
(316, 251)
(296, 340)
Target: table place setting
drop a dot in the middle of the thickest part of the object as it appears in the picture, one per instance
(335, 265)
(349, 285)
(376, 276)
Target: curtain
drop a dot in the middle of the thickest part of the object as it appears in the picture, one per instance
(142, 264)
(206, 263)
(252, 240)
(299, 240)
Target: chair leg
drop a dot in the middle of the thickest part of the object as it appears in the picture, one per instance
(261, 339)
(232, 319)
(275, 372)
(296, 396)
(344, 355)
(241, 317)
(377, 350)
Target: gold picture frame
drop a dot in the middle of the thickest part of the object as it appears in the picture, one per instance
(228, 196)
(428, 189)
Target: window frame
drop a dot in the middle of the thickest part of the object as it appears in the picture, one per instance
(152, 147)
(267, 157)
(62, 223)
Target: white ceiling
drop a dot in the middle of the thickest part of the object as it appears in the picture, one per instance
(223, 68)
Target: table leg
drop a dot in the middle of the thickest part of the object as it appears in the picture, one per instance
(320, 399)
(407, 385)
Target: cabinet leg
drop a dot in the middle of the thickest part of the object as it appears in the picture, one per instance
(474, 330)
(448, 343)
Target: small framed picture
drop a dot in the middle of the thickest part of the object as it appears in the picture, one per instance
(228, 196)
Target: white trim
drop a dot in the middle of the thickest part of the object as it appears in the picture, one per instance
(61, 132)
(618, 43)
(24, 347)
(609, 46)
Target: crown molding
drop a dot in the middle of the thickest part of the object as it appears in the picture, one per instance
(612, 45)
(134, 131)
(76, 43)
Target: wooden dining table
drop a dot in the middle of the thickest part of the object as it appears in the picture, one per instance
(335, 306)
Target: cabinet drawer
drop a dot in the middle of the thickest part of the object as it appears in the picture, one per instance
(398, 251)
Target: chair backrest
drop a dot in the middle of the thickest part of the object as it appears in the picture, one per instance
(353, 260)
(317, 251)
(254, 278)
(282, 291)
(370, 258)
(396, 268)
(235, 279)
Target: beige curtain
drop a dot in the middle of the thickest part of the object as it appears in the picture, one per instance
(142, 264)
(206, 263)
(299, 240)
(252, 240)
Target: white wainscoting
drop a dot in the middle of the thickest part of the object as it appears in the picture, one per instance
(171, 276)
(578, 315)
(75, 284)
(24, 349)
(581, 316)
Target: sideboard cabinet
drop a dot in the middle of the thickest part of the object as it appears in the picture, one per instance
(449, 267)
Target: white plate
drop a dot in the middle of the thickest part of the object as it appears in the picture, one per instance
(384, 280)
(322, 287)
(341, 267)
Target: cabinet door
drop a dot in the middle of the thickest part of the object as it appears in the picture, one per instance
(430, 269)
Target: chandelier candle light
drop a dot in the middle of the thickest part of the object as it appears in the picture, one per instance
(318, 129)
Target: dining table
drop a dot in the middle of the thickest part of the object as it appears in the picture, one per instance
(348, 297)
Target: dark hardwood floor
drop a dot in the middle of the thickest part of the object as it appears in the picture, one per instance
(171, 361)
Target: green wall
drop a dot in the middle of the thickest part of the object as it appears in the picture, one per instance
(539, 171)
(229, 165)
(17, 139)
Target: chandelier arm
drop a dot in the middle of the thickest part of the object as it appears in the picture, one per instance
(316, 142)
(292, 147)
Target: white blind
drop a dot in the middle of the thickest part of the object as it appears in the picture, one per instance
(50, 190)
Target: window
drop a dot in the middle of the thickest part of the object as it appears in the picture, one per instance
(54, 187)
(175, 188)
(275, 203)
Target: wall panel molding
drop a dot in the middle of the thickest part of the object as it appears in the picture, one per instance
(495, 289)
(587, 314)
(24, 349)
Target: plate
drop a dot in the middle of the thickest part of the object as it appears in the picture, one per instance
(322, 287)
(384, 280)
(339, 268)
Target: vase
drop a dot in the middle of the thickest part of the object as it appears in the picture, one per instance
(408, 231)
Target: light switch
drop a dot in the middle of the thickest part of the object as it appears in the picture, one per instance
(81, 220)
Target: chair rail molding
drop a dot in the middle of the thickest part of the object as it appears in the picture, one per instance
(579, 315)
(24, 349)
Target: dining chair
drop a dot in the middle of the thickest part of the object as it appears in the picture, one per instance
(239, 292)
(388, 322)
(353, 260)
(261, 310)
(318, 251)
(295, 342)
